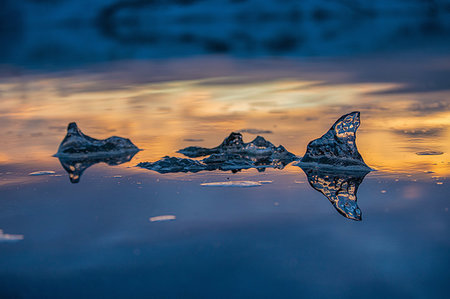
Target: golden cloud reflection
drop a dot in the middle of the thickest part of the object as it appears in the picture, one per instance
(158, 115)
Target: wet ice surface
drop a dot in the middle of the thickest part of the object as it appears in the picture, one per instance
(9, 237)
(162, 218)
(337, 147)
(42, 172)
(233, 184)
(293, 237)
(78, 145)
(232, 154)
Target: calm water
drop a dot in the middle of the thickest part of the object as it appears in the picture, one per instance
(282, 239)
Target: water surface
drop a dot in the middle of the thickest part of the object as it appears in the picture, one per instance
(280, 239)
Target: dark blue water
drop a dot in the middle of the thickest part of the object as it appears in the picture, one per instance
(282, 239)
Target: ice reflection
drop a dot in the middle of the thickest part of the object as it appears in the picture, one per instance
(340, 187)
(76, 166)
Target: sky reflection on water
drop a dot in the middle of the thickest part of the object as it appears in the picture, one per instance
(296, 103)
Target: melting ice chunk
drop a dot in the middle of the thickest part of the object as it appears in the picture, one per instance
(234, 144)
(233, 154)
(337, 147)
(9, 238)
(43, 172)
(162, 218)
(233, 184)
(77, 144)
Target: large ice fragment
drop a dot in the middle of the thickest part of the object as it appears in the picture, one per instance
(337, 147)
(234, 144)
(232, 154)
(77, 144)
(339, 187)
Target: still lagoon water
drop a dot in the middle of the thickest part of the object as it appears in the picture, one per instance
(124, 231)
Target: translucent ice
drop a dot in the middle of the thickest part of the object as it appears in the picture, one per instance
(9, 238)
(232, 154)
(77, 144)
(42, 172)
(233, 184)
(337, 147)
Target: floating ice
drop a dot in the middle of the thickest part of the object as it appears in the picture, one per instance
(162, 218)
(339, 187)
(233, 154)
(429, 153)
(76, 144)
(234, 144)
(77, 151)
(173, 164)
(337, 147)
(42, 172)
(233, 184)
(9, 238)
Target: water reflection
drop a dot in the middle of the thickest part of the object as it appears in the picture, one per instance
(76, 166)
(340, 187)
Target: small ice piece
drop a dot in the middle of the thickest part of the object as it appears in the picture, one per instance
(265, 182)
(162, 218)
(42, 172)
(337, 147)
(9, 238)
(429, 153)
(233, 184)
(117, 176)
(77, 144)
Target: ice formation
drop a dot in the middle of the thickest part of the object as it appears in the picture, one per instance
(337, 147)
(232, 154)
(9, 238)
(77, 144)
(162, 218)
(42, 172)
(340, 187)
(233, 184)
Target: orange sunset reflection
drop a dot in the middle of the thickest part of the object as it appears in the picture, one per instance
(161, 116)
